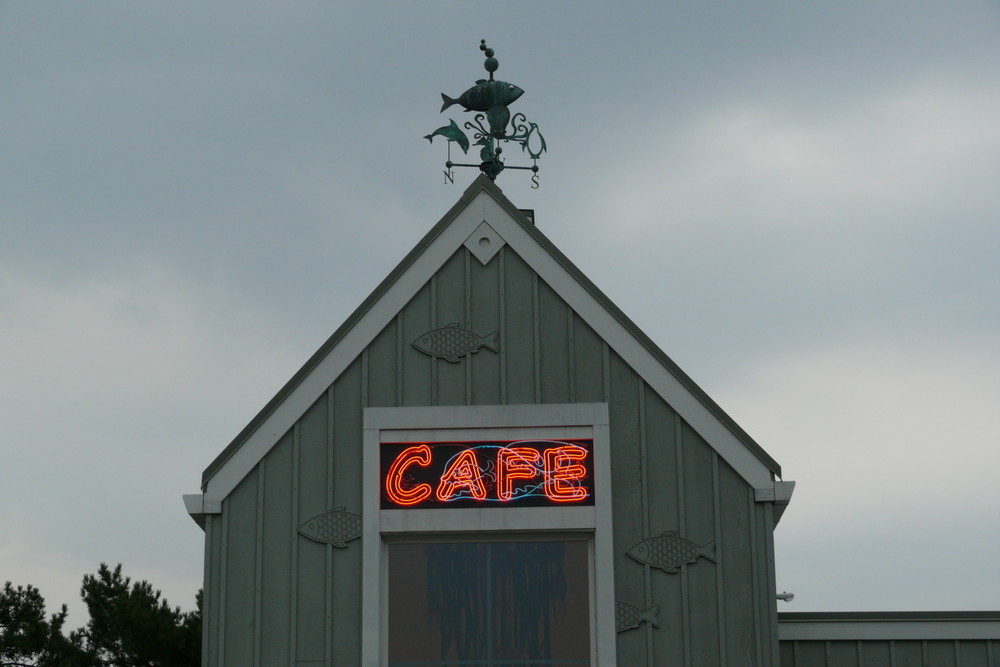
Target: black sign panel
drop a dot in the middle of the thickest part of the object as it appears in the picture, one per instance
(523, 473)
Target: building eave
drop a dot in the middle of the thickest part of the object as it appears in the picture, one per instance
(888, 625)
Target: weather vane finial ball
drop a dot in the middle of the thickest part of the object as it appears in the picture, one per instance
(491, 64)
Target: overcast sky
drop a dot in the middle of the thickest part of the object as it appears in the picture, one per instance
(798, 201)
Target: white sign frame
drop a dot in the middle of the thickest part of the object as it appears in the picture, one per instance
(484, 424)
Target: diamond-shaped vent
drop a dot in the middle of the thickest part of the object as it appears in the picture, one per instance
(484, 243)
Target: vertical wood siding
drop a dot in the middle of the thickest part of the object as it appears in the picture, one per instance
(346, 451)
(274, 597)
(276, 570)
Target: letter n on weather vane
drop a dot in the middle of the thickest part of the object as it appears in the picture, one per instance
(491, 126)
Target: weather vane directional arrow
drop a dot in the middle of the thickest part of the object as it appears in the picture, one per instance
(491, 97)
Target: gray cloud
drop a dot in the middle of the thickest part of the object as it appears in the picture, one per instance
(796, 202)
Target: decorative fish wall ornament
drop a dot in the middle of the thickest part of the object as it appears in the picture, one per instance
(669, 551)
(629, 616)
(451, 343)
(336, 527)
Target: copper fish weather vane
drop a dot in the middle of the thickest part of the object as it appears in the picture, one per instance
(491, 97)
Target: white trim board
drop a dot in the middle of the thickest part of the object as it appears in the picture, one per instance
(483, 207)
(493, 422)
(898, 630)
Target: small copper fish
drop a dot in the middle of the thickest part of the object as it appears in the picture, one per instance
(669, 551)
(336, 527)
(451, 133)
(629, 616)
(452, 342)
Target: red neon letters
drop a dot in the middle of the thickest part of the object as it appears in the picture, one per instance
(563, 474)
(419, 455)
(462, 473)
(515, 463)
(545, 471)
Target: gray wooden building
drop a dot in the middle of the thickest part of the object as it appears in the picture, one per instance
(489, 464)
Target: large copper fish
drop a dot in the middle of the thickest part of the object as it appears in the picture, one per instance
(484, 95)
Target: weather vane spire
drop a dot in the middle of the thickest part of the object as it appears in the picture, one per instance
(491, 98)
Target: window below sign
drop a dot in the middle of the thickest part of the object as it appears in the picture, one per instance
(487, 537)
(489, 603)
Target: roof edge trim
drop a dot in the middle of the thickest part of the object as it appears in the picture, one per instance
(887, 625)
(645, 340)
(481, 183)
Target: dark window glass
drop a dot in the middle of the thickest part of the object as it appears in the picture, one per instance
(489, 604)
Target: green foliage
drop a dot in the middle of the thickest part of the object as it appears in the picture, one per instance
(130, 626)
(28, 638)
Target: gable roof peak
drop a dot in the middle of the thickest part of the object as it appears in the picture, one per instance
(484, 202)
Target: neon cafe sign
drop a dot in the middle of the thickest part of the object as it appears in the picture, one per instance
(525, 473)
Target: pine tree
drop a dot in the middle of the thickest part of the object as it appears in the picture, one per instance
(130, 626)
(28, 639)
